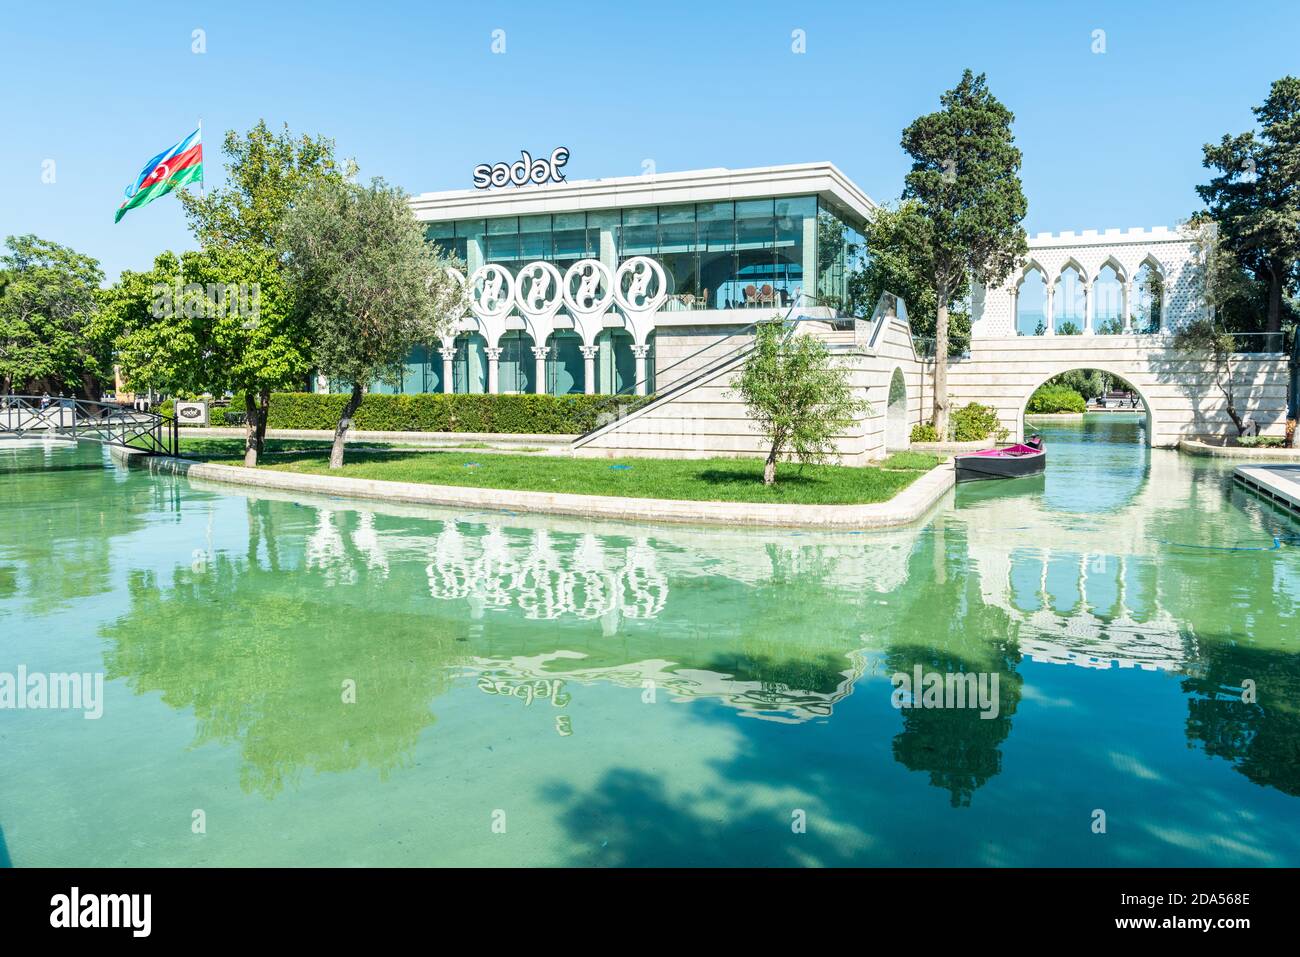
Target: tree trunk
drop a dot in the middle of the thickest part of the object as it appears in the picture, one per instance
(769, 467)
(345, 423)
(1274, 303)
(1228, 388)
(252, 445)
(941, 361)
(264, 413)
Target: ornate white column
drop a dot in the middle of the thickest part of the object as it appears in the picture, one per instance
(1087, 308)
(539, 380)
(448, 355)
(493, 357)
(589, 368)
(640, 352)
(1128, 307)
(1050, 319)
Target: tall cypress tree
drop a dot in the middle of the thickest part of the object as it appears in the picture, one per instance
(966, 177)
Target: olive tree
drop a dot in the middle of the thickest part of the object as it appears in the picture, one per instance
(368, 285)
(797, 394)
(1204, 339)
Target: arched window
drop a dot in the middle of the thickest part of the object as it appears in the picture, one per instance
(1031, 303)
(1069, 302)
(1108, 302)
(1148, 298)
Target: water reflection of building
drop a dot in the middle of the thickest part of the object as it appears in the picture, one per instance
(594, 577)
(752, 697)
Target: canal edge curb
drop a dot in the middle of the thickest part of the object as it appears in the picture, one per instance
(908, 506)
(1205, 450)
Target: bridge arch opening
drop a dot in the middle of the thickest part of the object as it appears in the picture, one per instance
(1149, 432)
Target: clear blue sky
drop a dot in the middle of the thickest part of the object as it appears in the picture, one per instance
(414, 93)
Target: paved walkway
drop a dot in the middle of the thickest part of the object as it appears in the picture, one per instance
(1281, 483)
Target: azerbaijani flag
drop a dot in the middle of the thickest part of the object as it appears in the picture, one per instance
(170, 169)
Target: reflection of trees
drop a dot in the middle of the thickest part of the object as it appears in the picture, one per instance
(948, 628)
(60, 528)
(260, 654)
(1262, 738)
(775, 644)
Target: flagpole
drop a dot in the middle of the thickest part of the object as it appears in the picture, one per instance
(203, 171)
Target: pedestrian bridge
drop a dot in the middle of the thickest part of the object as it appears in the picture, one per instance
(1182, 395)
(88, 420)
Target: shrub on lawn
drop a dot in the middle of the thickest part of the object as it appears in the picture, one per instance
(974, 422)
(1261, 441)
(924, 432)
(438, 412)
(1050, 399)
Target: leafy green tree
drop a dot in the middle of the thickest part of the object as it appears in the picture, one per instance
(230, 323)
(48, 305)
(154, 350)
(1232, 292)
(797, 393)
(900, 259)
(966, 177)
(1255, 199)
(366, 283)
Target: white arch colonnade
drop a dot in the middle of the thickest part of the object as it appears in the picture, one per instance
(588, 294)
(1172, 254)
(1125, 276)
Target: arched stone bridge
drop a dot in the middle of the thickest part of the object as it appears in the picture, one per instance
(1181, 396)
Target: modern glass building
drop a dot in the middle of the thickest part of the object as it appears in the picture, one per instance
(729, 241)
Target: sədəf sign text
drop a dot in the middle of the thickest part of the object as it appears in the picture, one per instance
(523, 171)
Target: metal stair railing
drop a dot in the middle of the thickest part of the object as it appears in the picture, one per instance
(104, 422)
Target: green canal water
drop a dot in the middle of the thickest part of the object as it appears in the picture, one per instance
(536, 690)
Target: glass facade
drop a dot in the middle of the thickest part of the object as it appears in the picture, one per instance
(749, 253)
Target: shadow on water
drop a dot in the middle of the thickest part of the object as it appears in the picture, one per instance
(5, 860)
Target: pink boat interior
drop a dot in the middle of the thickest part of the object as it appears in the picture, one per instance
(1011, 451)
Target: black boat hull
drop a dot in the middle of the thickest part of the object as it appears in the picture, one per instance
(976, 468)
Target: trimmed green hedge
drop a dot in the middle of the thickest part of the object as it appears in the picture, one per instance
(438, 412)
(1050, 399)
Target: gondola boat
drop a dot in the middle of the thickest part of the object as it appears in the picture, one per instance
(1013, 461)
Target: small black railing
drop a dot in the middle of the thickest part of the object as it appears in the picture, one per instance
(104, 422)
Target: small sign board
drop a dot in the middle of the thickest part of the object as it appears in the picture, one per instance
(192, 413)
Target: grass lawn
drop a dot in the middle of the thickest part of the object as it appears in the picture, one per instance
(702, 480)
